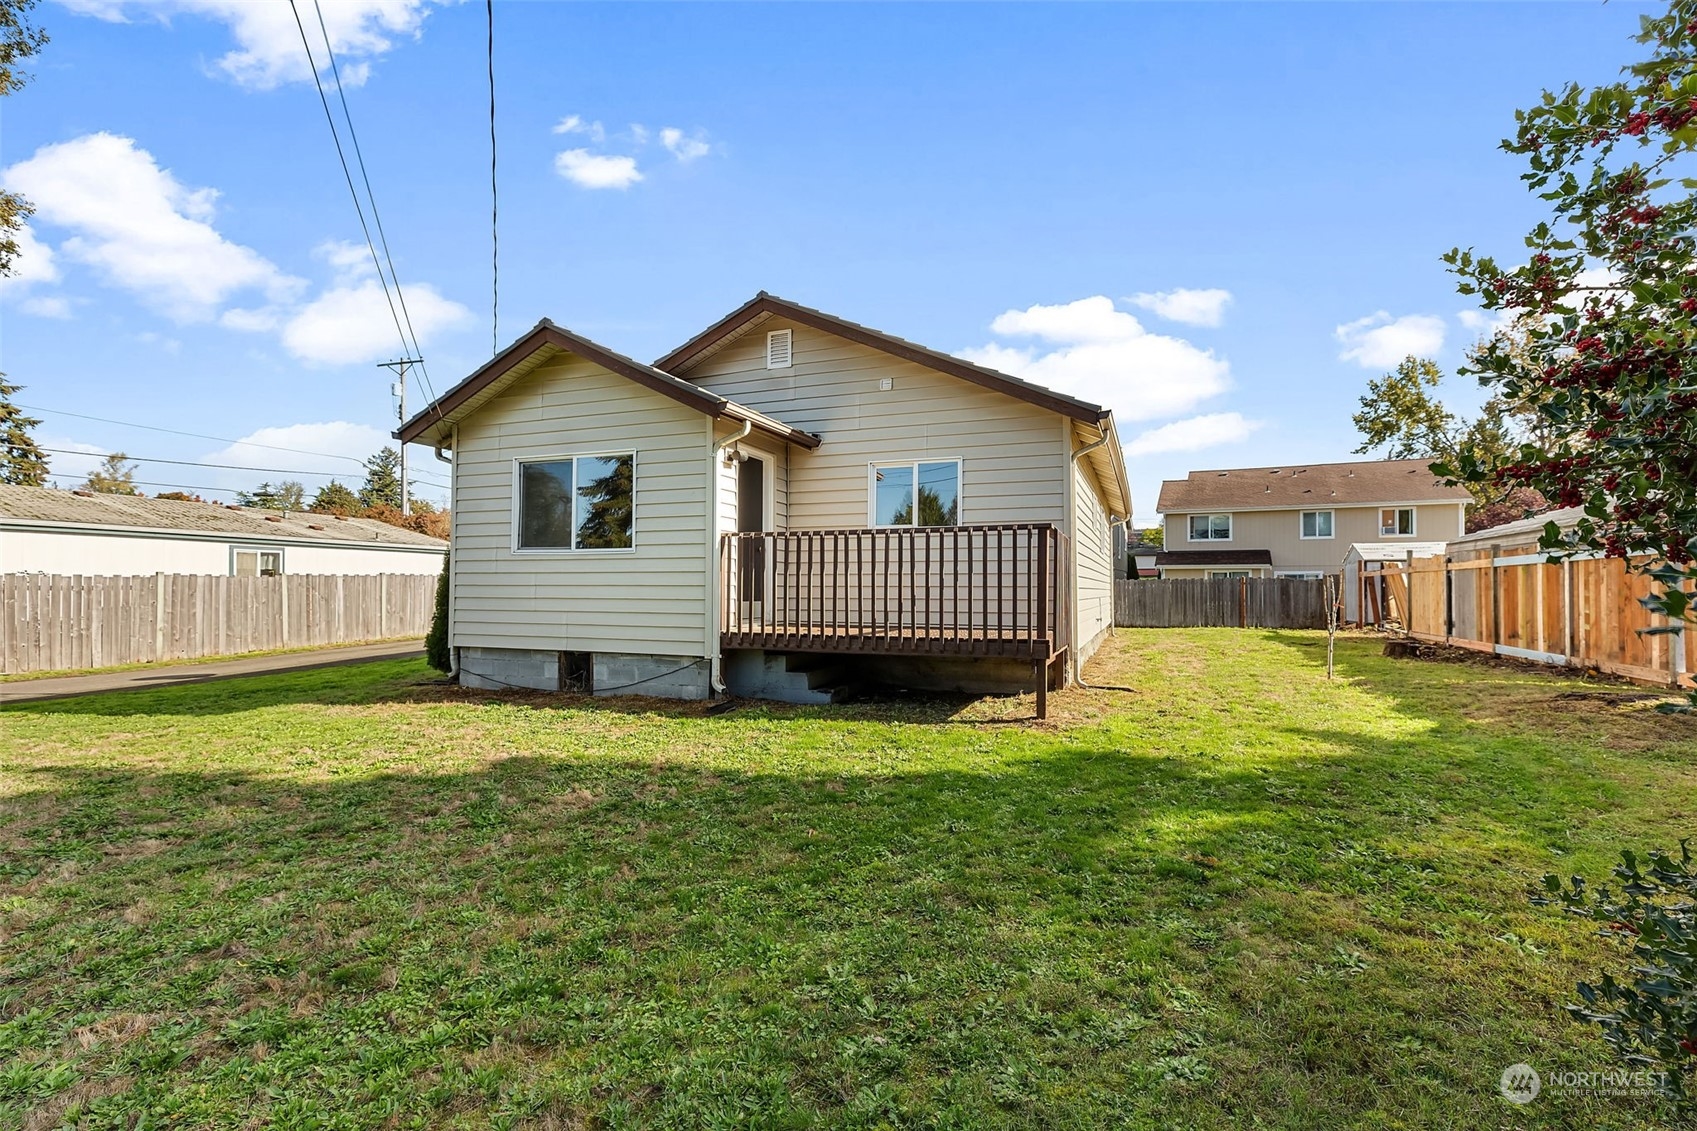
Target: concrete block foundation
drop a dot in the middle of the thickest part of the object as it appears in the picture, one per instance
(505, 669)
(669, 677)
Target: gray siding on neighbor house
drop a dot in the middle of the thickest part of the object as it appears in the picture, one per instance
(1279, 531)
(1014, 460)
(652, 599)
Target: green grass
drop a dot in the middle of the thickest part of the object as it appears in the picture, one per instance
(1239, 896)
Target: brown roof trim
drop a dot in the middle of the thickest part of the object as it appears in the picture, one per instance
(763, 303)
(1195, 558)
(546, 333)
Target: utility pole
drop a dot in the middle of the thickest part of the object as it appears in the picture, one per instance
(399, 389)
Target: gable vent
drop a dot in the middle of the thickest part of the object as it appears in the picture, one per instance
(778, 349)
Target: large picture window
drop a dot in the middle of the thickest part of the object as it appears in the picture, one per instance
(580, 503)
(923, 493)
(1210, 528)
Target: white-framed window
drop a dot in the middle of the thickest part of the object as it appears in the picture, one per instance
(1317, 524)
(915, 493)
(1219, 574)
(575, 504)
(252, 561)
(1300, 574)
(780, 349)
(1210, 528)
(1396, 520)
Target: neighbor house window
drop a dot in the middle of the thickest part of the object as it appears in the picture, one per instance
(924, 493)
(1316, 524)
(580, 503)
(1300, 574)
(1210, 527)
(1219, 574)
(1396, 520)
(257, 563)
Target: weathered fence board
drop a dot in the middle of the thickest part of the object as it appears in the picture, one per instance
(1220, 602)
(53, 623)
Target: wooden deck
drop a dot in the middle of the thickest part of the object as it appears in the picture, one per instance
(988, 591)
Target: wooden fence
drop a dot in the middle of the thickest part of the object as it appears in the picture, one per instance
(1221, 602)
(1584, 612)
(54, 622)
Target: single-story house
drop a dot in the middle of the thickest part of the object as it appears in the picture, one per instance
(785, 501)
(79, 532)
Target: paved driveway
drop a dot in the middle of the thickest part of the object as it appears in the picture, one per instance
(61, 687)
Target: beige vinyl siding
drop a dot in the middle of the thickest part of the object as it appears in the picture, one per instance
(1014, 458)
(1093, 563)
(761, 447)
(651, 599)
(1279, 531)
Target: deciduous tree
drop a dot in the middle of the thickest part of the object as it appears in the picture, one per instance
(1609, 298)
(19, 40)
(116, 475)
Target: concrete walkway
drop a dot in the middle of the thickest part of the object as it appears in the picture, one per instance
(170, 675)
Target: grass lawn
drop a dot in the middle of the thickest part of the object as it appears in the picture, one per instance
(1239, 896)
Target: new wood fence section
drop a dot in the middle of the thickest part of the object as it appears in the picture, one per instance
(54, 623)
(1220, 602)
(1584, 612)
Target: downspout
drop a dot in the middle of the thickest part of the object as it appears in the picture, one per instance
(1073, 676)
(453, 522)
(715, 679)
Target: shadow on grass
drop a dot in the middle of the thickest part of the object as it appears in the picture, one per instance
(1056, 940)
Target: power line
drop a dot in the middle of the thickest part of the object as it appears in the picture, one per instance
(371, 197)
(192, 435)
(494, 203)
(335, 135)
(203, 463)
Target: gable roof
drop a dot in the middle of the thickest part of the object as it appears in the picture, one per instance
(43, 507)
(1311, 485)
(763, 306)
(544, 341)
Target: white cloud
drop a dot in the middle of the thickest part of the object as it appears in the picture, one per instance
(596, 170)
(351, 322)
(324, 442)
(268, 48)
(33, 263)
(684, 148)
(140, 228)
(1379, 341)
(1192, 434)
(575, 124)
(349, 260)
(639, 133)
(1192, 307)
(47, 306)
(1104, 355)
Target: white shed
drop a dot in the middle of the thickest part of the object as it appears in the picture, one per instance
(75, 532)
(1368, 556)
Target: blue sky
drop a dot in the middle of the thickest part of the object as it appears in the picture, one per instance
(1066, 191)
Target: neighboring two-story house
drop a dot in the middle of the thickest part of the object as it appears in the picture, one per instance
(785, 501)
(1300, 520)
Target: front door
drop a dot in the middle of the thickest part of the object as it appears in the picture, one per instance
(751, 516)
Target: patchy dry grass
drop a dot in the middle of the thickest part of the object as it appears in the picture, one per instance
(1238, 895)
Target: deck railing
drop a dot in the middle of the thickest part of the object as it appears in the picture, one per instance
(954, 590)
